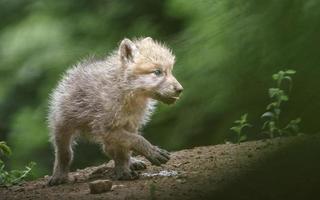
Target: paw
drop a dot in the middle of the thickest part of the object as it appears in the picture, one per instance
(57, 180)
(126, 175)
(159, 156)
(136, 164)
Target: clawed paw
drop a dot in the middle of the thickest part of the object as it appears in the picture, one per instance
(57, 180)
(126, 175)
(136, 164)
(159, 156)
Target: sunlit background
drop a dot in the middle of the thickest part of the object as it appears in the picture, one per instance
(226, 54)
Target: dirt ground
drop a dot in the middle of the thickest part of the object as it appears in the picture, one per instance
(282, 168)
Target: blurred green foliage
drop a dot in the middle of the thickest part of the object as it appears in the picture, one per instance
(12, 177)
(226, 52)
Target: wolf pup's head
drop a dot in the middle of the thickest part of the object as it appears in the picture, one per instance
(147, 66)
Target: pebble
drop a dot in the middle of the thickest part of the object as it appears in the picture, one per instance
(100, 186)
(182, 181)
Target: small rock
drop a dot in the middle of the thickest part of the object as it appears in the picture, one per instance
(182, 181)
(100, 186)
(116, 186)
(182, 176)
(17, 188)
(177, 165)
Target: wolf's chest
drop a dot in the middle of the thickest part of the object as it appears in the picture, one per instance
(131, 119)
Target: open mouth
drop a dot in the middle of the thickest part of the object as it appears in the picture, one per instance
(167, 99)
(174, 98)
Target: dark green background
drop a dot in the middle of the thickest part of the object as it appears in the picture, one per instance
(226, 53)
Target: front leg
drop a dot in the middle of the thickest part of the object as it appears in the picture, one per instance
(140, 145)
(154, 154)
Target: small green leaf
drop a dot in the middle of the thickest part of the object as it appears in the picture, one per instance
(288, 78)
(267, 115)
(273, 92)
(235, 129)
(242, 138)
(284, 98)
(275, 76)
(290, 71)
(271, 105)
(265, 124)
(293, 125)
(247, 125)
(239, 125)
(244, 117)
(5, 149)
(298, 120)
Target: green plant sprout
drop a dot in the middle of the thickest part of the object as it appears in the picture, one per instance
(4, 149)
(239, 126)
(8, 178)
(278, 95)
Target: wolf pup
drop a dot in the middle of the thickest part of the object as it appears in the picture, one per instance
(110, 100)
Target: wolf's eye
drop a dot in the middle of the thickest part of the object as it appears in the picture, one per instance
(157, 72)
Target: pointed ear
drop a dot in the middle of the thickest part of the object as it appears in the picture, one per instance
(147, 39)
(127, 50)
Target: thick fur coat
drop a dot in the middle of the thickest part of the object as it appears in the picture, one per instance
(110, 100)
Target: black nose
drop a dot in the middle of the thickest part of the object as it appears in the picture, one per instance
(179, 89)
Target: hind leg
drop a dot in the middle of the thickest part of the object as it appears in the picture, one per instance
(63, 157)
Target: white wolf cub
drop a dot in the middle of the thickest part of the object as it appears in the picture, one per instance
(111, 99)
